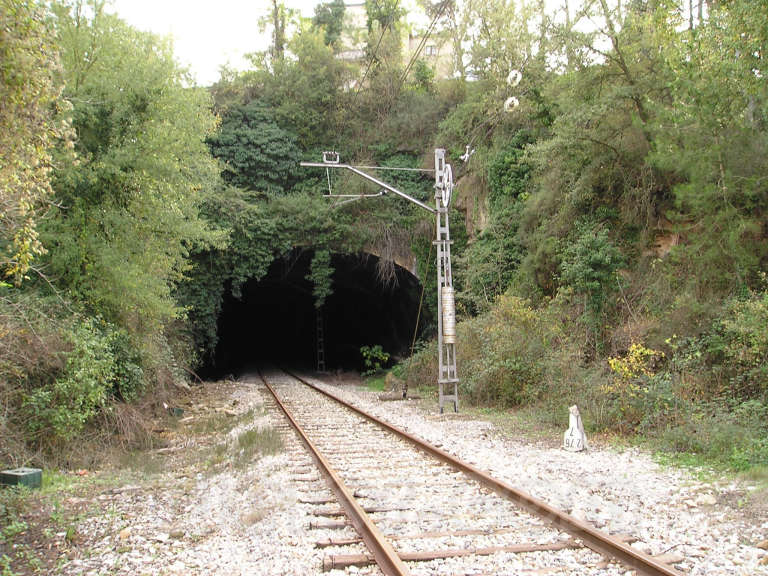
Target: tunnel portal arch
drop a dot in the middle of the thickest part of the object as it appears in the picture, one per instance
(274, 319)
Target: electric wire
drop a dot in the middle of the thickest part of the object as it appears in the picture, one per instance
(394, 168)
(423, 42)
(375, 51)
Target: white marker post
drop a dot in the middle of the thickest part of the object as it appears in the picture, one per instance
(574, 439)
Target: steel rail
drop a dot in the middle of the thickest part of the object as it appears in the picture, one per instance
(593, 538)
(385, 556)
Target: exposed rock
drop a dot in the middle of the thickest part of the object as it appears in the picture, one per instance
(670, 558)
(706, 500)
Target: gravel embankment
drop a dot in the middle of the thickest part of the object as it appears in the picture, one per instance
(618, 491)
(202, 512)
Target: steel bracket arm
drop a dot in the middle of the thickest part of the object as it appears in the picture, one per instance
(373, 179)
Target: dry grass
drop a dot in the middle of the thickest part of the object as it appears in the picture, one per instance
(255, 441)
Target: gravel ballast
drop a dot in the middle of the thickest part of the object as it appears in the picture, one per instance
(242, 517)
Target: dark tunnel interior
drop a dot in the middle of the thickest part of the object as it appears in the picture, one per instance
(275, 321)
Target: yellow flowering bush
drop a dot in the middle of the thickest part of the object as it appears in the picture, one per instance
(629, 382)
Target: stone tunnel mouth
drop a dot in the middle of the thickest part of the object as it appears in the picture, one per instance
(274, 321)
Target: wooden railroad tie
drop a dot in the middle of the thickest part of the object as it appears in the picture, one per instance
(341, 561)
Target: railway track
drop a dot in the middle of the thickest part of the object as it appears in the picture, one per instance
(401, 506)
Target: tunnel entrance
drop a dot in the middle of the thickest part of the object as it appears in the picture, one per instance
(275, 321)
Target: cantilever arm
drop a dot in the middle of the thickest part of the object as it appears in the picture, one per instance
(371, 179)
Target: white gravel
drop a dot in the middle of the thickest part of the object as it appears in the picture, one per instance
(246, 520)
(625, 491)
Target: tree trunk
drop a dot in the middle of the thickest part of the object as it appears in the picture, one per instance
(278, 35)
(569, 55)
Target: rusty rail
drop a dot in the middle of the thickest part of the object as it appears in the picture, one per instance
(593, 538)
(382, 551)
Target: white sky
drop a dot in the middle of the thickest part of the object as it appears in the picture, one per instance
(206, 34)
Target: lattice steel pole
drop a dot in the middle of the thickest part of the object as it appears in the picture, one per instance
(446, 316)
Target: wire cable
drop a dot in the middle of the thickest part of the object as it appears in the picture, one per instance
(394, 168)
(375, 51)
(423, 42)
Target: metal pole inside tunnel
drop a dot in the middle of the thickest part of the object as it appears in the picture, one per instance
(447, 377)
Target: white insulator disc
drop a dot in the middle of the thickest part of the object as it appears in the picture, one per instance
(447, 185)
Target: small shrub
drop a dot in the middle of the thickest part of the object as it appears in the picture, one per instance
(374, 359)
(744, 332)
(62, 407)
(13, 505)
(589, 266)
(631, 384)
(504, 355)
(128, 375)
(735, 437)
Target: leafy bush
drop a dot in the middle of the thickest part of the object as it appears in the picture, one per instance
(744, 331)
(259, 154)
(374, 358)
(590, 264)
(62, 407)
(488, 266)
(735, 436)
(630, 386)
(13, 506)
(729, 360)
(504, 353)
(128, 375)
(321, 276)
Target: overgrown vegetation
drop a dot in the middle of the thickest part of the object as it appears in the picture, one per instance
(609, 225)
(622, 265)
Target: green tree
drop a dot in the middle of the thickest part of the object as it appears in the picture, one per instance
(330, 17)
(30, 125)
(589, 266)
(712, 133)
(128, 208)
(384, 13)
(258, 155)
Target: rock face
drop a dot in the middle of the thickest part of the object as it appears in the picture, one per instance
(471, 198)
(574, 439)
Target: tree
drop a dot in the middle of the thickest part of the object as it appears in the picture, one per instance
(30, 125)
(330, 17)
(712, 134)
(278, 31)
(128, 208)
(384, 13)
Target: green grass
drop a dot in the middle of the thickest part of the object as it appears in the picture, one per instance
(140, 463)
(376, 383)
(219, 422)
(55, 482)
(759, 475)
